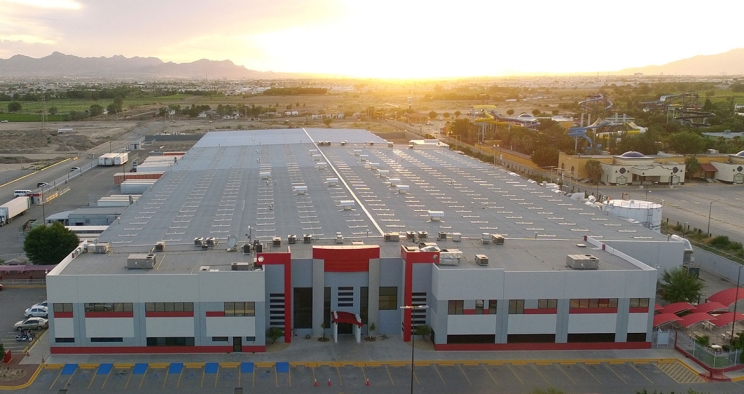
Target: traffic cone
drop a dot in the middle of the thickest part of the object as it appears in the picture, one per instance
(316, 383)
(329, 382)
(42, 360)
(27, 353)
(367, 384)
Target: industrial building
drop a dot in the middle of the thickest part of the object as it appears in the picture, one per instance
(313, 230)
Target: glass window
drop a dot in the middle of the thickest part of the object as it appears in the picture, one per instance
(516, 307)
(547, 304)
(492, 304)
(593, 303)
(240, 309)
(455, 307)
(388, 298)
(479, 307)
(62, 307)
(219, 339)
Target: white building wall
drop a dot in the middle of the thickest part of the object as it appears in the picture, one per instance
(232, 326)
(591, 323)
(467, 284)
(471, 324)
(64, 328)
(169, 326)
(119, 327)
(532, 324)
(637, 322)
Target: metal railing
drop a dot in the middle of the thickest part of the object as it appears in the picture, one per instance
(23, 282)
(710, 357)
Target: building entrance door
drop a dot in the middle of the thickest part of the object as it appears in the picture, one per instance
(237, 344)
(345, 328)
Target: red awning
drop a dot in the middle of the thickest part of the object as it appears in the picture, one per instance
(709, 306)
(346, 317)
(728, 318)
(708, 167)
(677, 307)
(693, 318)
(658, 307)
(728, 296)
(665, 318)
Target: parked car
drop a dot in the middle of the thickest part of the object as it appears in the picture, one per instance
(42, 184)
(73, 169)
(37, 311)
(32, 323)
(40, 304)
(1, 287)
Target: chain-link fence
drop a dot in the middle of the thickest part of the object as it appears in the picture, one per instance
(714, 358)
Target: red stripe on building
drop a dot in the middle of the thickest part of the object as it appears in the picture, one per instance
(544, 346)
(418, 257)
(346, 252)
(354, 265)
(172, 314)
(94, 315)
(215, 313)
(541, 311)
(468, 311)
(285, 259)
(150, 349)
(61, 315)
(578, 311)
(640, 309)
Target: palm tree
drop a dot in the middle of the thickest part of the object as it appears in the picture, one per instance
(677, 285)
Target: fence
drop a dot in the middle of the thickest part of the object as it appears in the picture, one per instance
(663, 339)
(24, 282)
(711, 358)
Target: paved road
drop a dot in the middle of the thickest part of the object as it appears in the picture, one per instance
(12, 304)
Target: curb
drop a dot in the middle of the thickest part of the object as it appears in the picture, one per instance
(24, 385)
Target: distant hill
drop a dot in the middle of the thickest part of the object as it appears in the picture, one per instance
(61, 65)
(728, 63)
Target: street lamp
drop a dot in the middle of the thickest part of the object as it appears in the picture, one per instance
(494, 155)
(736, 301)
(710, 208)
(413, 337)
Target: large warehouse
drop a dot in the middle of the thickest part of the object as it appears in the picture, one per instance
(328, 229)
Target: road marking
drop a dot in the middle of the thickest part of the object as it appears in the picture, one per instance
(55, 380)
(217, 376)
(340, 382)
(143, 377)
(489, 374)
(680, 372)
(616, 374)
(539, 373)
(590, 373)
(390, 376)
(440, 375)
(364, 375)
(106, 380)
(466, 375)
(167, 370)
(642, 374)
(289, 377)
(202, 379)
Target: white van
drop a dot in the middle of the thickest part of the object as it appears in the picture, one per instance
(21, 193)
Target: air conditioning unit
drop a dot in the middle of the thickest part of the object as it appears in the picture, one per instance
(276, 241)
(160, 246)
(198, 241)
(307, 238)
(436, 216)
(246, 248)
(211, 242)
(485, 238)
(240, 266)
(291, 239)
(442, 236)
(265, 175)
(347, 205)
(456, 237)
(481, 259)
(392, 237)
(300, 190)
(423, 235)
(332, 182)
(582, 262)
(450, 257)
(141, 261)
(102, 248)
(497, 239)
(339, 238)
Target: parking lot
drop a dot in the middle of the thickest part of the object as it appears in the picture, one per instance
(429, 376)
(13, 301)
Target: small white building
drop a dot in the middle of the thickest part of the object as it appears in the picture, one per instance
(636, 168)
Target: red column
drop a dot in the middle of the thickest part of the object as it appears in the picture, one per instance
(407, 300)
(288, 301)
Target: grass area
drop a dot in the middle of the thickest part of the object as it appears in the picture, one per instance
(28, 117)
(720, 245)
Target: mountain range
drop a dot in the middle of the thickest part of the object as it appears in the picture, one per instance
(60, 65)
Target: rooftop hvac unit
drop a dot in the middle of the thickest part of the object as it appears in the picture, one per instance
(265, 174)
(423, 235)
(383, 173)
(357, 152)
(276, 241)
(442, 236)
(240, 266)
(411, 235)
(300, 189)
(485, 238)
(436, 216)
(363, 157)
(160, 246)
(402, 189)
(141, 261)
(204, 268)
(317, 157)
(246, 248)
(456, 237)
(307, 238)
(481, 259)
(371, 143)
(450, 257)
(102, 248)
(291, 239)
(339, 238)
(212, 241)
(199, 241)
(343, 143)
(347, 205)
(392, 237)
(258, 247)
(374, 166)
(331, 182)
(497, 239)
(390, 144)
(582, 262)
(394, 182)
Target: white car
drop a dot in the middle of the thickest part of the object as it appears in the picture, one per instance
(32, 323)
(40, 304)
(37, 311)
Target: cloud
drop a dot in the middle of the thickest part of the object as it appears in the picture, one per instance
(53, 4)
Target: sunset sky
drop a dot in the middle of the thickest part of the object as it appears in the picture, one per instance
(382, 38)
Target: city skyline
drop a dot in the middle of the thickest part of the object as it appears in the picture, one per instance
(387, 39)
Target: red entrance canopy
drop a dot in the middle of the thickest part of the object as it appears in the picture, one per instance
(709, 306)
(728, 318)
(658, 307)
(677, 307)
(693, 318)
(346, 317)
(728, 296)
(665, 318)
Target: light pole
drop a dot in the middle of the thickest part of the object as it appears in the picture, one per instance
(710, 209)
(736, 301)
(413, 337)
(494, 155)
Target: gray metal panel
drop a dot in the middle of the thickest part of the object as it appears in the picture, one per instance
(621, 324)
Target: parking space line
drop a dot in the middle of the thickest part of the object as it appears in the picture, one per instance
(91, 381)
(440, 375)
(289, 376)
(590, 373)
(642, 374)
(567, 375)
(489, 374)
(616, 374)
(390, 376)
(364, 375)
(340, 381)
(515, 374)
(217, 376)
(166, 377)
(314, 378)
(202, 380)
(104, 381)
(178, 382)
(466, 375)
(55, 379)
(416, 376)
(534, 367)
(143, 377)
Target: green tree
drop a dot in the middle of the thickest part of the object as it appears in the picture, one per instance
(432, 114)
(510, 112)
(677, 285)
(446, 115)
(692, 167)
(422, 331)
(327, 122)
(53, 110)
(49, 244)
(536, 112)
(274, 333)
(546, 156)
(14, 106)
(457, 114)
(686, 142)
(594, 169)
(95, 110)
